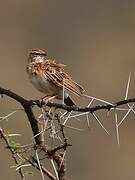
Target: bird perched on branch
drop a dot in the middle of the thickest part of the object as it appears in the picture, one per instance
(49, 77)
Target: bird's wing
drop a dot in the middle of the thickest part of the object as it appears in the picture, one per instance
(55, 73)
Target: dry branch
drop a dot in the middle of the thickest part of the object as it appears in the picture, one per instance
(54, 154)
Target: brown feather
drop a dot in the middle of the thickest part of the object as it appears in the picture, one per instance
(55, 73)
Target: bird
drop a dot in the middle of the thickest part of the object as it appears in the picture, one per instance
(49, 77)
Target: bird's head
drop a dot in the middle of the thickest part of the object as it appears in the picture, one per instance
(37, 55)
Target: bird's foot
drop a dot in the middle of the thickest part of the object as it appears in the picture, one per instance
(46, 99)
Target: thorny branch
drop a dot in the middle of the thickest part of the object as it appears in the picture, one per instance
(3, 136)
(30, 103)
(55, 154)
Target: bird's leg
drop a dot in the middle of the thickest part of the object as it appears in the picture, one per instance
(46, 99)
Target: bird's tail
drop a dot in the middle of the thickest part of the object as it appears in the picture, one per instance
(68, 101)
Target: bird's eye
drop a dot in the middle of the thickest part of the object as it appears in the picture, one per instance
(27, 68)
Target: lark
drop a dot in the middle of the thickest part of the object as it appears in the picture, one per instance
(49, 77)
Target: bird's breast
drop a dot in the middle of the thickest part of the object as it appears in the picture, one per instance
(45, 86)
(41, 82)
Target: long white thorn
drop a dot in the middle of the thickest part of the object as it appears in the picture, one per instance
(55, 169)
(100, 123)
(63, 95)
(62, 159)
(101, 100)
(131, 109)
(117, 127)
(42, 174)
(7, 116)
(74, 128)
(126, 115)
(88, 120)
(128, 83)
(90, 102)
(21, 166)
(127, 90)
(64, 114)
(67, 118)
(79, 114)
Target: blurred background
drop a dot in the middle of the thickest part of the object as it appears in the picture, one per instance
(96, 40)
